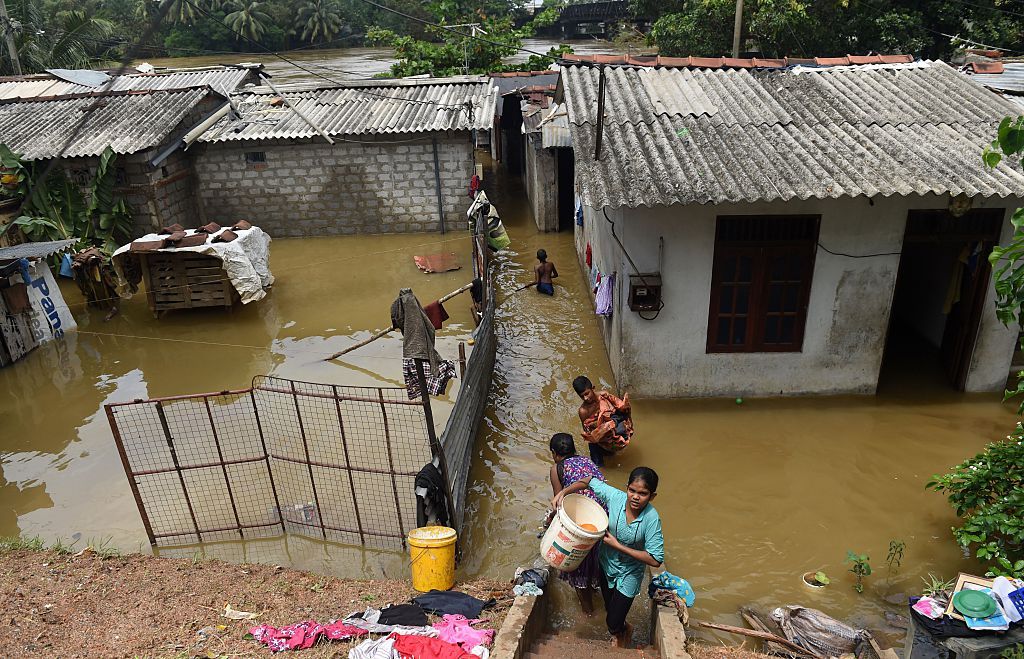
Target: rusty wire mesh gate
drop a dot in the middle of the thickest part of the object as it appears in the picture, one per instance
(281, 457)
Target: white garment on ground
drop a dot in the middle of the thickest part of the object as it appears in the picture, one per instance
(369, 619)
(381, 648)
(481, 652)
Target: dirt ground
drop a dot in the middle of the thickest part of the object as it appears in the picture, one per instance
(702, 650)
(59, 604)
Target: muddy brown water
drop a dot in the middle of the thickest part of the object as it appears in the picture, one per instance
(751, 495)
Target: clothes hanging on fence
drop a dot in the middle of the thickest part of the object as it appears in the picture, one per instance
(590, 257)
(437, 380)
(459, 630)
(408, 615)
(477, 291)
(436, 313)
(417, 332)
(303, 634)
(421, 647)
(431, 507)
(604, 296)
(452, 601)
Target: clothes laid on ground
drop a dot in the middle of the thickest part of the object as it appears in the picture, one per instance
(436, 313)
(417, 332)
(303, 634)
(820, 633)
(669, 581)
(370, 621)
(381, 648)
(421, 647)
(452, 601)
(611, 432)
(408, 615)
(572, 470)
(436, 384)
(668, 597)
(431, 506)
(459, 630)
(622, 572)
(546, 288)
(604, 296)
(531, 589)
(537, 577)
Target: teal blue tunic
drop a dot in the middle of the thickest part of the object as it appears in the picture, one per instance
(623, 572)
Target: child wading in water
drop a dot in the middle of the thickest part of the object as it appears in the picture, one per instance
(633, 541)
(607, 420)
(570, 468)
(544, 271)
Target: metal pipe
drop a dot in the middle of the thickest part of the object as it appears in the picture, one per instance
(128, 472)
(435, 445)
(737, 28)
(296, 110)
(600, 112)
(391, 463)
(177, 465)
(309, 462)
(437, 185)
(223, 467)
(266, 457)
(348, 464)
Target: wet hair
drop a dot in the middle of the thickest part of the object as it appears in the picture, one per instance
(542, 255)
(562, 445)
(647, 475)
(581, 384)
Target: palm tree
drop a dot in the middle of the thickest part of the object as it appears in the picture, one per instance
(319, 19)
(179, 11)
(248, 20)
(68, 40)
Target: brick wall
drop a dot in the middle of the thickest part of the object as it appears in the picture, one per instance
(159, 196)
(310, 187)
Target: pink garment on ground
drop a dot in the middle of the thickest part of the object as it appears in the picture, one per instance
(458, 629)
(303, 634)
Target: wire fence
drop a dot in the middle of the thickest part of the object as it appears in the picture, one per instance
(319, 460)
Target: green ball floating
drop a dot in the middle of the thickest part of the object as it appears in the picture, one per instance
(739, 401)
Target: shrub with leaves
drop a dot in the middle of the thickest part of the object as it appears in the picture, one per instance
(987, 492)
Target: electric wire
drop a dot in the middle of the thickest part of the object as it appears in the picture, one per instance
(858, 256)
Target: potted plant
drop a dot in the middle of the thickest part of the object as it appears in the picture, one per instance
(816, 579)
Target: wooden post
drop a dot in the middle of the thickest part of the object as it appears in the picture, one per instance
(462, 360)
(737, 28)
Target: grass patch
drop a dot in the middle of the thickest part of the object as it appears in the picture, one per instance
(19, 543)
(102, 547)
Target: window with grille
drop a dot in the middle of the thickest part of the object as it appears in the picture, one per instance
(761, 282)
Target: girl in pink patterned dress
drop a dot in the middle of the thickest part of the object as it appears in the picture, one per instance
(569, 468)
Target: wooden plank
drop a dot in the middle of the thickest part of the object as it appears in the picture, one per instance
(765, 636)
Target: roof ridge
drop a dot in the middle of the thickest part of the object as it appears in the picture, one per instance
(690, 62)
(105, 94)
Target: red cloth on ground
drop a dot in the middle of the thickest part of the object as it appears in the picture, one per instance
(590, 256)
(422, 647)
(436, 313)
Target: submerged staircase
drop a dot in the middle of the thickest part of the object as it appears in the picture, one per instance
(568, 645)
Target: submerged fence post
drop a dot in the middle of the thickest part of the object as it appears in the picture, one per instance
(129, 473)
(391, 464)
(223, 467)
(309, 465)
(266, 457)
(348, 464)
(177, 466)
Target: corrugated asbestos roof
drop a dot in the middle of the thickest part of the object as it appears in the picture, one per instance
(386, 107)
(552, 123)
(86, 125)
(35, 250)
(221, 78)
(682, 136)
(1011, 79)
(736, 62)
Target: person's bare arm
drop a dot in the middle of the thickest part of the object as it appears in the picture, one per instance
(556, 485)
(554, 271)
(578, 486)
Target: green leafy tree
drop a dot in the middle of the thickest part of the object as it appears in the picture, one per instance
(249, 20)
(67, 39)
(319, 20)
(705, 29)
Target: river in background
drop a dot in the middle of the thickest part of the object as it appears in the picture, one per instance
(752, 495)
(347, 63)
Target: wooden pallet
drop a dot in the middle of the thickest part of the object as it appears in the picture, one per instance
(185, 280)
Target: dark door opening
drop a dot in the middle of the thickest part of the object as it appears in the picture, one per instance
(566, 198)
(943, 277)
(513, 145)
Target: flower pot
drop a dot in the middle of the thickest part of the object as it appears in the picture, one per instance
(810, 581)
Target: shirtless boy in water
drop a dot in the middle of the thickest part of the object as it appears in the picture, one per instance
(545, 271)
(607, 420)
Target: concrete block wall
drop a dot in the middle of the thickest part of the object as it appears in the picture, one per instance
(309, 187)
(541, 177)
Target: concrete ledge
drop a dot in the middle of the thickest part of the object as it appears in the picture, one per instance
(523, 625)
(667, 632)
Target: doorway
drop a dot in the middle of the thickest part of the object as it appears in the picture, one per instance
(566, 164)
(943, 278)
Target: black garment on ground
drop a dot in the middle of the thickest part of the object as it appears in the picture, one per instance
(597, 454)
(431, 507)
(407, 615)
(452, 601)
(536, 577)
(617, 607)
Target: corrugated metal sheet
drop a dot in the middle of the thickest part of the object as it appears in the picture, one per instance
(73, 127)
(385, 108)
(760, 135)
(38, 250)
(1010, 80)
(552, 123)
(223, 79)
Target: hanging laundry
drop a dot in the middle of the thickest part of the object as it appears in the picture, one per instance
(303, 635)
(436, 384)
(436, 313)
(421, 647)
(579, 211)
(590, 257)
(474, 186)
(431, 507)
(604, 296)
(409, 615)
(459, 630)
(477, 291)
(452, 601)
(595, 278)
(417, 331)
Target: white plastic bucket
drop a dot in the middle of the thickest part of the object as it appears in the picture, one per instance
(565, 544)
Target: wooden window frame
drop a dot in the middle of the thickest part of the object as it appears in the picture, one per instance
(757, 313)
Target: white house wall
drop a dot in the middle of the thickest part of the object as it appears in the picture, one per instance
(847, 317)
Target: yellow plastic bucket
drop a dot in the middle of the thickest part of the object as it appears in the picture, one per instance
(432, 550)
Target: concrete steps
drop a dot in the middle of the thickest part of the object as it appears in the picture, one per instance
(567, 645)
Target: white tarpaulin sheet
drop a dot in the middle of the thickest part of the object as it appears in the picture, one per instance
(246, 261)
(51, 318)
